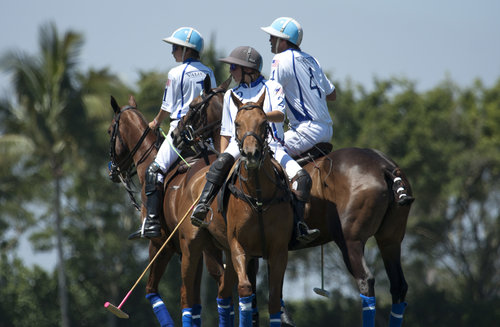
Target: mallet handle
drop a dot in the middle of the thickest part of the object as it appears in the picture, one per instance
(159, 251)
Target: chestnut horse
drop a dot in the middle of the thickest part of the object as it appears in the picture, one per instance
(258, 220)
(352, 199)
(133, 143)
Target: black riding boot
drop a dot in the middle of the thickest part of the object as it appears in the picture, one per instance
(215, 178)
(301, 195)
(151, 226)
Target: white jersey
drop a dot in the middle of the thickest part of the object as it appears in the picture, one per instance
(274, 100)
(184, 84)
(305, 86)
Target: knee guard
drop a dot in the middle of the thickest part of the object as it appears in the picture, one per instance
(217, 172)
(301, 185)
(152, 177)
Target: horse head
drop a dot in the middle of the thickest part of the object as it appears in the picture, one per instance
(202, 121)
(129, 133)
(251, 120)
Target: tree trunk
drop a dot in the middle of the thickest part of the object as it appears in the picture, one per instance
(61, 271)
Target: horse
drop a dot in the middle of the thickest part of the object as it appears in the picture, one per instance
(354, 197)
(257, 219)
(133, 144)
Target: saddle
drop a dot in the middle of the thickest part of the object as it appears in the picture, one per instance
(317, 151)
(229, 188)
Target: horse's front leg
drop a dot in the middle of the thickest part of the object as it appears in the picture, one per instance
(191, 271)
(225, 305)
(276, 266)
(240, 262)
(155, 273)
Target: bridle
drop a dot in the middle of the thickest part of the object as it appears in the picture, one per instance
(122, 170)
(262, 141)
(188, 135)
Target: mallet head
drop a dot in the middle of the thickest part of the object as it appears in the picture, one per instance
(321, 291)
(115, 310)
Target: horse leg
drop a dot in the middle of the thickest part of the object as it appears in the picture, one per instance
(191, 271)
(356, 263)
(276, 266)
(225, 305)
(240, 262)
(252, 270)
(389, 239)
(156, 271)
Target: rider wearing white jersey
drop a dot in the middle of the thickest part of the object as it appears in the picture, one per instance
(305, 85)
(246, 64)
(185, 83)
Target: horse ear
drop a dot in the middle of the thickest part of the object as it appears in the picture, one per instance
(226, 83)
(114, 105)
(260, 102)
(131, 101)
(237, 102)
(207, 84)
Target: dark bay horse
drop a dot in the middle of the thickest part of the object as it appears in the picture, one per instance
(132, 143)
(352, 199)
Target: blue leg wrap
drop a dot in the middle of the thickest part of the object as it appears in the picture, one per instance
(187, 317)
(368, 311)
(246, 311)
(275, 319)
(226, 312)
(396, 318)
(160, 310)
(196, 315)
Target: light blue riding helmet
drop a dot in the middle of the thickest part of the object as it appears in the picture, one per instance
(186, 37)
(286, 28)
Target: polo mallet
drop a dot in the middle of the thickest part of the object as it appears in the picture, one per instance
(321, 291)
(116, 310)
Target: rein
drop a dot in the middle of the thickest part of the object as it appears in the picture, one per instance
(117, 171)
(257, 203)
(188, 133)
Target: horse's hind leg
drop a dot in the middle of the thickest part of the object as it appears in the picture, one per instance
(156, 272)
(353, 254)
(389, 239)
(253, 269)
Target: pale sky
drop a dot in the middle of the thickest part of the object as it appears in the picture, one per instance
(425, 41)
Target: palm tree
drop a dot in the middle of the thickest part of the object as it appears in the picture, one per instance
(47, 105)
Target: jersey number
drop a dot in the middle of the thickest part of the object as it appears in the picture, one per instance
(312, 82)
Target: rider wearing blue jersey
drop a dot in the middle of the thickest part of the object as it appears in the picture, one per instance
(185, 82)
(246, 65)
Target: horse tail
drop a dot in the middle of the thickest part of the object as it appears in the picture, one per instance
(395, 178)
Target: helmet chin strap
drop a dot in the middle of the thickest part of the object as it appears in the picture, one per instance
(276, 46)
(183, 53)
(243, 74)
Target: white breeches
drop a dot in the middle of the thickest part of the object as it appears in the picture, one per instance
(304, 136)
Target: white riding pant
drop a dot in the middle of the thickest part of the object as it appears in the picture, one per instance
(290, 165)
(302, 137)
(167, 154)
